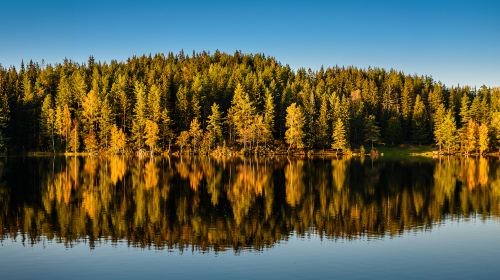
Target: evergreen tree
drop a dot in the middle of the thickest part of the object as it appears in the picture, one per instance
(166, 133)
(393, 130)
(154, 104)
(407, 100)
(294, 124)
(214, 126)
(339, 136)
(464, 110)
(80, 88)
(4, 117)
(471, 141)
(106, 121)
(90, 111)
(241, 115)
(371, 130)
(119, 92)
(419, 122)
(475, 111)
(495, 129)
(48, 120)
(182, 107)
(269, 114)
(151, 136)
(183, 140)
(195, 132)
(140, 114)
(74, 139)
(483, 138)
(322, 124)
(446, 132)
(438, 119)
(260, 131)
(118, 140)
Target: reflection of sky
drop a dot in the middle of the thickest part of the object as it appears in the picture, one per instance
(455, 41)
(455, 250)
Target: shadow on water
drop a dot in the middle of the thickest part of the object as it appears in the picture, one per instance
(203, 204)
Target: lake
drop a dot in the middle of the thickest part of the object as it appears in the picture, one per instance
(118, 217)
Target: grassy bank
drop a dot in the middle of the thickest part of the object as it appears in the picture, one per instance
(407, 151)
(401, 152)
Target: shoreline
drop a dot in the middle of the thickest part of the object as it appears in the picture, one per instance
(404, 151)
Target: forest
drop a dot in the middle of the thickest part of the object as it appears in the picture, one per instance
(249, 103)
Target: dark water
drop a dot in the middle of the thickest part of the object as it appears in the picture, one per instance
(77, 218)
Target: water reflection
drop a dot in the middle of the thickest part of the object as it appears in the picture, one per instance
(205, 204)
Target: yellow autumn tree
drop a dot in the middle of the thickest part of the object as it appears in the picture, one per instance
(483, 138)
(118, 140)
(294, 123)
(151, 137)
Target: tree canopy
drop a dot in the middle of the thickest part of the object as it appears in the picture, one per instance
(84, 107)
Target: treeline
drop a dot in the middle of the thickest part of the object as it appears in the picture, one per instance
(218, 102)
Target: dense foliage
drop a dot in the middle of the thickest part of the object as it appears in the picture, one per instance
(204, 102)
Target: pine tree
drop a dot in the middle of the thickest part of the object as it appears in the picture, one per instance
(182, 107)
(339, 136)
(118, 140)
(140, 114)
(48, 120)
(64, 92)
(4, 117)
(406, 100)
(495, 129)
(471, 141)
(214, 126)
(166, 133)
(183, 140)
(241, 115)
(154, 104)
(90, 112)
(80, 88)
(447, 132)
(260, 130)
(74, 139)
(371, 130)
(419, 122)
(106, 120)
(195, 132)
(322, 124)
(483, 138)
(151, 135)
(119, 92)
(475, 112)
(393, 130)
(269, 115)
(464, 110)
(438, 118)
(294, 123)
(407, 106)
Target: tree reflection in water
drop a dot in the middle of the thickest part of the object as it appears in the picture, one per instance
(214, 205)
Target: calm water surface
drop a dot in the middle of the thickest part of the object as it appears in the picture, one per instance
(78, 218)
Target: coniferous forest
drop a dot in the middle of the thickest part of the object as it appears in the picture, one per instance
(205, 103)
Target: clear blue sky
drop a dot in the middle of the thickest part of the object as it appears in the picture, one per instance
(454, 41)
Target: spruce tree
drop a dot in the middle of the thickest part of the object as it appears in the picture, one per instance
(339, 136)
(214, 125)
(294, 123)
(419, 122)
(371, 130)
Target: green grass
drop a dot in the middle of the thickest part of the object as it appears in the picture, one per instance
(406, 151)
